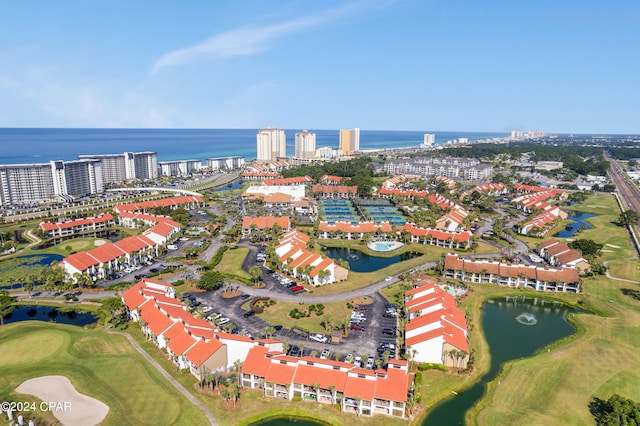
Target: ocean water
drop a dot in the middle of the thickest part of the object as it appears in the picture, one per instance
(25, 146)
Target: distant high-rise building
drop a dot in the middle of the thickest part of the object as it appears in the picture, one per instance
(271, 144)
(429, 140)
(305, 144)
(225, 163)
(126, 166)
(350, 141)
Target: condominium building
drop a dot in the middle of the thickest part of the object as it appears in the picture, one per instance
(305, 144)
(179, 167)
(77, 178)
(271, 144)
(26, 183)
(126, 166)
(350, 141)
(429, 140)
(225, 163)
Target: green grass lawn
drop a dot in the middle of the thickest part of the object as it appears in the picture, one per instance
(99, 365)
(555, 387)
(231, 263)
(279, 314)
(628, 269)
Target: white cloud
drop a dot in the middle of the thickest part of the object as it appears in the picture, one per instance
(248, 40)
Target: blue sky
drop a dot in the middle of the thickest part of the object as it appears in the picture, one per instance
(493, 65)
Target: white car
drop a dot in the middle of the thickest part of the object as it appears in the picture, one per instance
(358, 361)
(319, 338)
(388, 278)
(370, 363)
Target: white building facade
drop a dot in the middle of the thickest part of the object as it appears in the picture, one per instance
(271, 144)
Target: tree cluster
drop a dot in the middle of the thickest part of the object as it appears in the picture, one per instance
(616, 411)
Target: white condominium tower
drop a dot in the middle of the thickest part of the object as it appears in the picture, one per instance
(349, 141)
(126, 166)
(271, 144)
(53, 181)
(305, 144)
(429, 140)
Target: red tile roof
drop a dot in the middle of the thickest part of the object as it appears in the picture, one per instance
(199, 353)
(50, 226)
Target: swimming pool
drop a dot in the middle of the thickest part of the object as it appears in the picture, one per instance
(384, 245)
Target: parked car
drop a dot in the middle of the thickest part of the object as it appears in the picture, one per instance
(319, 338)
(389, 332)
(223, 321)
(249, 313)
(356, 326)
(325, 354)
(370, 363)
(294, 351)
(358, 361)
(348, 358)
(297, 288)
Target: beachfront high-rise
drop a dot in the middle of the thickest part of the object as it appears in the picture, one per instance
(126, 166)
(305, 144)
(271, 144)
(349, 141)
(429, 140)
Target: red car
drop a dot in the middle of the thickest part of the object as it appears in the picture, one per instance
(357, 327)
(297, 288)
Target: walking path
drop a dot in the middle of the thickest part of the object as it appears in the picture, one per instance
(174, 382)
(606, 264)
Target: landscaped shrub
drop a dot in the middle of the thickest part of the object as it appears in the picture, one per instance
(296, 398)
(417, 381)
(431, 366)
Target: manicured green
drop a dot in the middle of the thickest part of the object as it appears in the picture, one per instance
(231, 263)
(103, 366)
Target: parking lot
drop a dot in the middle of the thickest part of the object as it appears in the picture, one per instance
(359, 343)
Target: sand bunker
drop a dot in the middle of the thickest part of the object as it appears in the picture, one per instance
(65, 402)
(612, 246)
(99, 243)
(607, 251)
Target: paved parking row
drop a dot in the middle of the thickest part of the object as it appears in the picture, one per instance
(360, 343)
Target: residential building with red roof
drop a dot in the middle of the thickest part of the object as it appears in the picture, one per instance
(191, 343)
(348, 230)
(331, 180)
(565, 279)
(437, 237)
(436, 328)
(397, 180)
(558, 253)
(71, 228)
(358, 390)
(251, 224)
(102, 261)
(303, 264)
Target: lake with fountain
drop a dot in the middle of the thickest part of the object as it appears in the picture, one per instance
(515, 327)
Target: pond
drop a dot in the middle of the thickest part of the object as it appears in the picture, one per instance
(26, 262)
(515, 327)
(50, 314)
(362, 262)
(288, 421)
(579, 221)
(235, 185)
